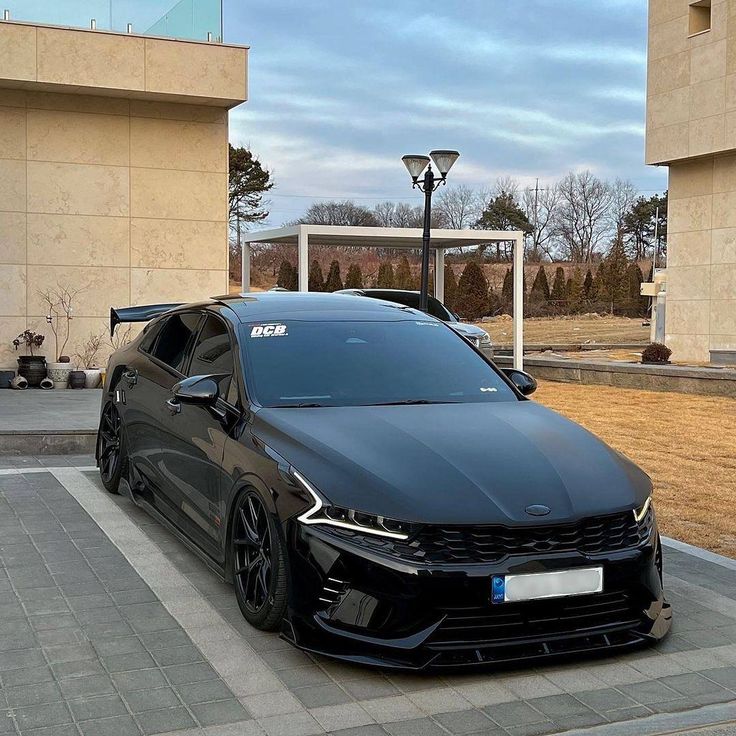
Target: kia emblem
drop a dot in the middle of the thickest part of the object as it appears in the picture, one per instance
(538, 510)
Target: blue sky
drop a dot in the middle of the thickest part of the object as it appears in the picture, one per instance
(341, 89)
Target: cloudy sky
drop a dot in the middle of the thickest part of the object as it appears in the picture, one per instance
(341, 89)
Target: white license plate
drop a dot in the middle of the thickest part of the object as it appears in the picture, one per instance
(539, 585)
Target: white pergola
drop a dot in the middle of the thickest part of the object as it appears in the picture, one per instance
(395, 237)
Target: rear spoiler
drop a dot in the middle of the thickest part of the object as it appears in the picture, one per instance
(143, 313)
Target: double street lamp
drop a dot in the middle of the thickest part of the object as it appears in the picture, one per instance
(416, 165)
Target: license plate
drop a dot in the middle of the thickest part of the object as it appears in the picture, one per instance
(539, 585)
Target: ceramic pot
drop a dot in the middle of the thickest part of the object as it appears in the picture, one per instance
(77, 379)
(46, 384)
(19, 383)
(32, 368)
(59, 373)
(92, 377)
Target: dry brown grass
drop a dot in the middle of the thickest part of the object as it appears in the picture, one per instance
(686, 443)
(557, 330)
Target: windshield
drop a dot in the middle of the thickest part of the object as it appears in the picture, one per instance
(411, 299)
(346, 363)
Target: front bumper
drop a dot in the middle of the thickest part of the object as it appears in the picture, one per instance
(355, 604)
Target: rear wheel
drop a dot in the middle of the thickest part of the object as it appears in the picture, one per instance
(110, 448)
(259, 559)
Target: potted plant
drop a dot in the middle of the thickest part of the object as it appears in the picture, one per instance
(59, 316)
(31, 367)
(87, 361)
(656, 352)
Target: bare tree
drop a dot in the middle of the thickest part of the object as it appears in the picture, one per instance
(398, 214)
(582, 219)
(541, 210)
(623, 197)
(346, 212)
(505, 185)
(59, 303)
(459, 207)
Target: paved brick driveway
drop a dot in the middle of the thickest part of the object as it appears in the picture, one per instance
(109, 626)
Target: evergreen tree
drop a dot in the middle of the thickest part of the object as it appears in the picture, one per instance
(334, 282)
(638, 304)
(472, 292)
(450, 287)
(316, 278)
(575, 290)
(559, 291)
(599, 289)
(385, 276)
(540, 287)
(507, 290)
(588, 285)
(402, 277)
(286, 275)
(354, 278)
(616, 279)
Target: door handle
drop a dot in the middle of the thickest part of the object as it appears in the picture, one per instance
(174, 406)
(131, 377)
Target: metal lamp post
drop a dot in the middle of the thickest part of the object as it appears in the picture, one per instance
(444, 161)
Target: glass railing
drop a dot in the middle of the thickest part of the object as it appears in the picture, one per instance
(198, 20)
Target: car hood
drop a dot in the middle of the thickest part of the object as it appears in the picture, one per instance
(467, 330)
(475, 463)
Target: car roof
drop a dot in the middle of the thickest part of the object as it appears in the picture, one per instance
(314, 306)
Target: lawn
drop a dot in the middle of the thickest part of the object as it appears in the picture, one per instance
(565, 330)
(685, 442)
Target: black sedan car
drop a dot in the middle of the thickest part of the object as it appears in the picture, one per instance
(375, 488)
(476, 335)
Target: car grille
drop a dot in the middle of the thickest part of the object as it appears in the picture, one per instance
(487, 544)
(537, 628)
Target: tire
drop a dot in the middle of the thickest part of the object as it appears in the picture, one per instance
(111, 452)
(258, 553)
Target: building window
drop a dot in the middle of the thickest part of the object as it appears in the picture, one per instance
(699, 17)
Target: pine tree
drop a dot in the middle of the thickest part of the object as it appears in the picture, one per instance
(354, 278)
(334, 282)
(316, 278)
(285, 278)
(575, 290)
(450, 287)
(385, 276)
(402, 277)
(472, 292)
(540, 287)
(559, 286)
(588, 285)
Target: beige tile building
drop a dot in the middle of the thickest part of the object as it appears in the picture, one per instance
(113, 172)
(691, 127)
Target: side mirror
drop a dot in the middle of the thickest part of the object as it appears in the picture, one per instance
(525, 383)
(197, 390)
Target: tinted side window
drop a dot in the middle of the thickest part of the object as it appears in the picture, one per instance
(150, 335)
(213, 353)
(176, 336)
(437, 309)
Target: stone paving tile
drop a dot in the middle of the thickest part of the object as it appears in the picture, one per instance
(99, 626)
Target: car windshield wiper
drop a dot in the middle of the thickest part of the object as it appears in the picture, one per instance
(410, 402)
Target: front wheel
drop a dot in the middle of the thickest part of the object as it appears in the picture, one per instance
(259, 560)
(110, 448)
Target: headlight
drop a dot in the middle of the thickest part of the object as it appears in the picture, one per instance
(326, 514)
(485, 340)
(641, 513)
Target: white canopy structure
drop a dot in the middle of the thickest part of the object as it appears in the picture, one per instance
(395, 237)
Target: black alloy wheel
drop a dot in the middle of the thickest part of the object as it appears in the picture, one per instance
(110, 448)
(259, 564)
